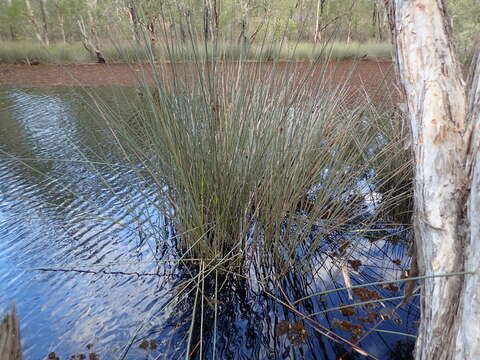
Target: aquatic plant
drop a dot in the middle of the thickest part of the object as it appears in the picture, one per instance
(249, 158)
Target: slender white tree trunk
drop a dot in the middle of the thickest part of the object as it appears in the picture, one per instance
(44, 11)
(31, 17)
(444, 125)
(317, 22)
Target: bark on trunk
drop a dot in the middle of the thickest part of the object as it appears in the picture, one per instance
(10, 347)
(446, 200)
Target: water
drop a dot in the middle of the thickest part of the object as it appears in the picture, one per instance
(58, 212)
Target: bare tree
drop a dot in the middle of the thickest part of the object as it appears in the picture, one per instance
(318, 14)
(444, 115)
(134, 17)
(44, 11)
(31, 17)
(92, 46)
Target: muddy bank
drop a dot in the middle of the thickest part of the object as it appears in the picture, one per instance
(364, 72)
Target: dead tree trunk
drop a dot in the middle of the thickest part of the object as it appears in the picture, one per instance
(91, 46)
(445, 119)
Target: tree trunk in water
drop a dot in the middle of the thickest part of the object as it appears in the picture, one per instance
(445, 134)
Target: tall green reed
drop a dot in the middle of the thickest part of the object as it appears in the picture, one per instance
(248, 156)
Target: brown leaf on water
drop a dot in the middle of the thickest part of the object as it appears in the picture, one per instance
(336, 322)
(282, 328)
(348, 326)
(365, 294)
(391, 287)
(355, 264)
(298, 327)
(153, 345)
(357, 331)
(365, 320)
(397, 262)
(354, 338)
(373, 315)
(347, 311)
(297, 334)
(358, 291)
(143, 345)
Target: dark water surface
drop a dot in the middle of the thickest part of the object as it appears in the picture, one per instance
(58, 212)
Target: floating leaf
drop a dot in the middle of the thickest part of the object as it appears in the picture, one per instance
(357, 331)
(365, 294)
(355, 264)
(297, 334)
(347, 311)
(397, 262)
(354, 338)
(298, 327)
(365, 320)
(153, 345)
(391, 287)
(336, 322)
(373, 315)
(144, 345)
(282, 328)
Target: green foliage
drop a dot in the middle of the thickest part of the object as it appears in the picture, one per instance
(466, 23)
(361, 23)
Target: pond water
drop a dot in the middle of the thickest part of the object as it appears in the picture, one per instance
(78, 258)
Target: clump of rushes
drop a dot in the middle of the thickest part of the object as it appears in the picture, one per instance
(249, 157)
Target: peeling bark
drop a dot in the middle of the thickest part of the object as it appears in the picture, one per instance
(447, 201)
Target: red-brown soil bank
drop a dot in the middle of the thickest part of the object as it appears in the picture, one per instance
(375, 77)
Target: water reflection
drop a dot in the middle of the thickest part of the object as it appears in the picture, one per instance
(59, 212)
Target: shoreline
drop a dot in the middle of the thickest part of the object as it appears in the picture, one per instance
(365, 74)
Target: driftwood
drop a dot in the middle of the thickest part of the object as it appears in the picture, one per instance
(10, 347)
